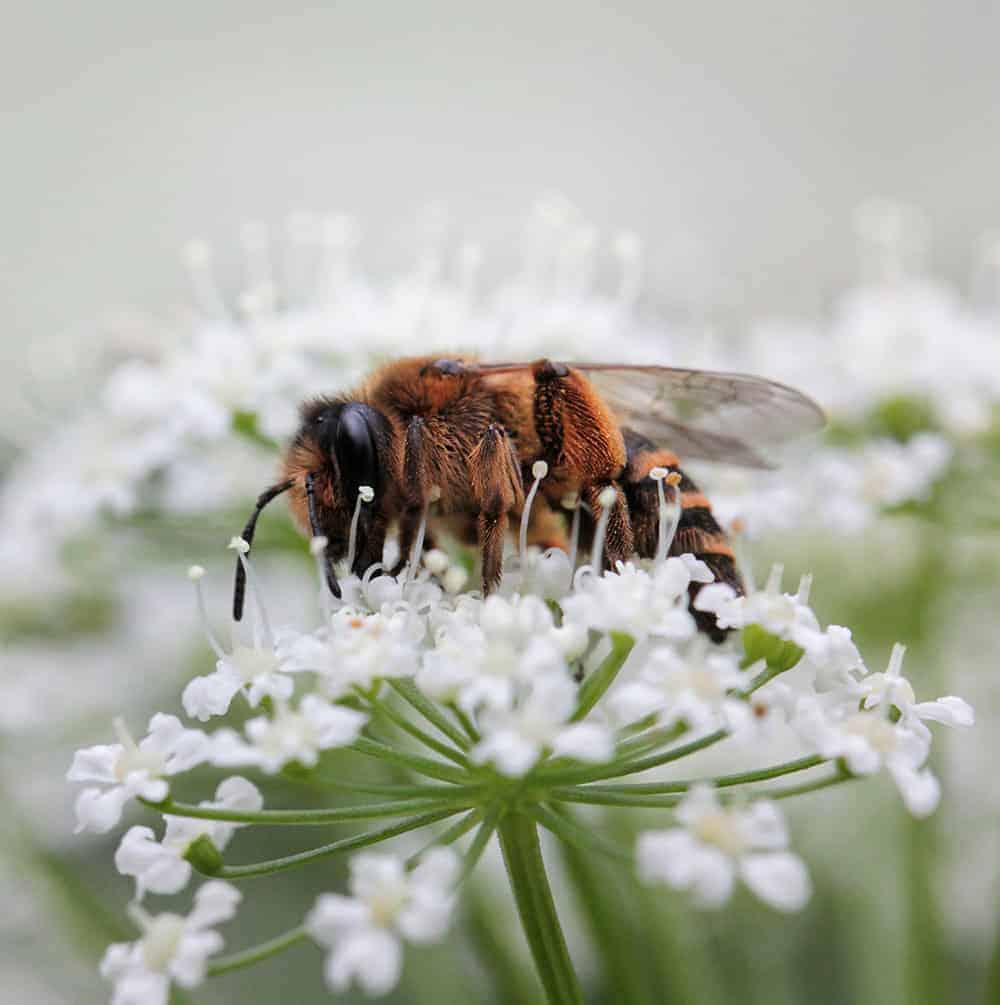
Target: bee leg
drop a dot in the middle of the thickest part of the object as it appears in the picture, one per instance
(495, 479)
(416, 489)
(698, 532)
(619, 542)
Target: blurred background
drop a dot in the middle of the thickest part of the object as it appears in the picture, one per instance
(210, 209)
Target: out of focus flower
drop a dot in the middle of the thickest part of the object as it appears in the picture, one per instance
(173, 948)
(291, 735)
(515, 737)
(128, 769)
(162, 866)
(716, 845)
(364, 933)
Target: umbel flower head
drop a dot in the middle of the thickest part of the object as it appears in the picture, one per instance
(506, 712)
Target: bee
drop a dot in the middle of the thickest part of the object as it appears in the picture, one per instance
(465, 435)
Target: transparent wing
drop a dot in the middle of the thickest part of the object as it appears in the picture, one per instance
(732, 417)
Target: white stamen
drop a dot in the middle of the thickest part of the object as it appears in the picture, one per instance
(195, 574)
(538, 470)
(805, 586)
(238, 544)
(197, 256)
(774, 579)
(365, 495)
(455, 578)
(418, 544)
(317, 548)
(124, 736)
(669, 515)
(895, 667)
(606, 500)
(572, 501)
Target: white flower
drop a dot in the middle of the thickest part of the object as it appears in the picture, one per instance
(291, 735)
(893, 687)
(637, 602)
(254, 670)
(867, 741)
(160, 866)
(365, 932)
(694, 688)
(782, 614)
(357, 649)
(515, 738)
(173, 949)
(484, 651)
(126, 770)
(716, 844)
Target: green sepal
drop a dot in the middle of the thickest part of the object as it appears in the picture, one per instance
(204, 856)
(779, 654)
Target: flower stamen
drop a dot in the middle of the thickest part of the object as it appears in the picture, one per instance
(538, 471)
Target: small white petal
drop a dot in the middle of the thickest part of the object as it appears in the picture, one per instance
(778, 878)
(372, 957)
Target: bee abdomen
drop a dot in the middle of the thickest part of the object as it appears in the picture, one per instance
(698, 532)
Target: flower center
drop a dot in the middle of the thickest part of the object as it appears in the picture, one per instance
(718, 827)
(253, 663)
(875, 729)
(159, 945)
(387, 903)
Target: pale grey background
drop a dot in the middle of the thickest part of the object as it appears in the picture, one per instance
(736, 138)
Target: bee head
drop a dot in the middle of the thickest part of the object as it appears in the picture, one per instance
(340, 447)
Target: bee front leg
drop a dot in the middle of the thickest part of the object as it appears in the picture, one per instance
(495, 479)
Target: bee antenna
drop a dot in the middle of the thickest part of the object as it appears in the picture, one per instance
(240, 585)
(317, 531)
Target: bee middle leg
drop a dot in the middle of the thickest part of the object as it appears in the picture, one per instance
(581, 441)
(495, 481)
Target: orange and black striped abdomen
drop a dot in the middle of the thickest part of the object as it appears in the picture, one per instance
(698, 532)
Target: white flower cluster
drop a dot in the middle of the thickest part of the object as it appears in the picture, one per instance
(513, 669)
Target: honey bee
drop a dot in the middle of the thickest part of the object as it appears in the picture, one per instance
(465, 435)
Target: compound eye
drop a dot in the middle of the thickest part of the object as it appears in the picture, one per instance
(355, 446)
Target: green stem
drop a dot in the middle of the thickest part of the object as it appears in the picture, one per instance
(722, 782)
(466, 723)
(529, 883)
(597, 683)
(591, 796)
(308, 776)
(569, 831)
(618, 768)
(449, 836)
(481, 840)
(326, 851)
(380, 707)
(421, 765)
(334, 815)
(411, 693)
(248, 957)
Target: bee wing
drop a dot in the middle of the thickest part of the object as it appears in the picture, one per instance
(703, 414)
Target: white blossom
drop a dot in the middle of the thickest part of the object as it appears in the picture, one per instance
(253, 670)
(638, 602)
(695, 687)
(483, 652)
(161, 866)
(173, 948)
(364, 932)
(126, 770)
(716, 845)
(298, 734)
(514, 738)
